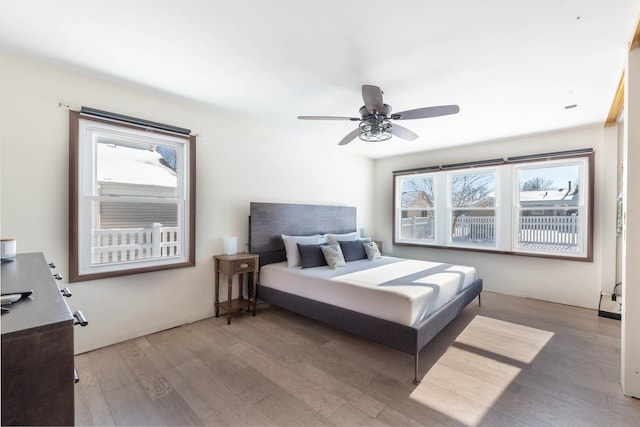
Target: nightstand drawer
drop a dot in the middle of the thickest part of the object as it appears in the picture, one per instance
(242, 265)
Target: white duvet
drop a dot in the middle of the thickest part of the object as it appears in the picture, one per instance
(399, 290)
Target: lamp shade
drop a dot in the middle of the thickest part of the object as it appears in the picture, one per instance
(230, 245)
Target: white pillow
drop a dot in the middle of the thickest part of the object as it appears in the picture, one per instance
(335, 238)
(291, 246)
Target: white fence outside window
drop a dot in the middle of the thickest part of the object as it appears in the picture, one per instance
(532, 230)
(549, 230)
(475, 229)
(127, 244)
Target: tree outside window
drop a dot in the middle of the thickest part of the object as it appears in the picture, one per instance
(473, 199)
(417, 208)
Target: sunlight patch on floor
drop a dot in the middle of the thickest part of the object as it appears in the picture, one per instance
(510, 340)
(478, 367)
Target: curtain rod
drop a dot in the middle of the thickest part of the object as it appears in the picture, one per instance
(133, 120)
(546, 156)
(551, 155)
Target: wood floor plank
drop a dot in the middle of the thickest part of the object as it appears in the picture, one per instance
(512, 362)
(131, 406)
(286, 410)
(110, 368)
(91, 408)
(246, 381)
(175, 411)
(348, 370)
(149, 376)
(174, 354)
(200, 408)
(391, 417)
(310, 393)
(348, 415)
(351, 395)
(397, 395)
(382, 359)
(226, 405)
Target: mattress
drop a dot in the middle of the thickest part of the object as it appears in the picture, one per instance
(400, 290)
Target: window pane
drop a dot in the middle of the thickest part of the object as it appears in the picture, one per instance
(132, 215)
(417, 192)
(549, 199)
(134, 231)
(416, 224)
(549, 186)
(473, 226)
(473, 190)
(545, 230)
(142, 170)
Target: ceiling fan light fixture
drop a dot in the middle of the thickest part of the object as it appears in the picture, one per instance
(375, 116)
(375, 131)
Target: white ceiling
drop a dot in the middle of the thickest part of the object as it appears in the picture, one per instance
(511, 65)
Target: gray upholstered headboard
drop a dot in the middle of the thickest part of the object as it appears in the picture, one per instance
(269, 221)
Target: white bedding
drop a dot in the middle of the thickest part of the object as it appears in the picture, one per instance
(399, 290)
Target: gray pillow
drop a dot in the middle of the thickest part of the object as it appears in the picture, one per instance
(353, 249)
(311, 256)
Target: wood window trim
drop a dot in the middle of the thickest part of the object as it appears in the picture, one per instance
(74, 145)
(589, 207)
(617, 105)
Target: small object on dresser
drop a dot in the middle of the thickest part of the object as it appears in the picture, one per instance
(10, 298)
(8, 250)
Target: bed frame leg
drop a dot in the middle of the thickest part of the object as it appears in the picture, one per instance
(479, 300)
(416, 381)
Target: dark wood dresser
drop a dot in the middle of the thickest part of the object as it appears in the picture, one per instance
(37, 347)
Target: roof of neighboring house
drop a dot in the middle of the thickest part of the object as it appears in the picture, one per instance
(561, 194)
(127, 165)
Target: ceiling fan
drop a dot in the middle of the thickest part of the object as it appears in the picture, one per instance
(375, 118)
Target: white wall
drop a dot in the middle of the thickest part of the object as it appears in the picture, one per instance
(568, 282)
(238, 161)
(631, 234)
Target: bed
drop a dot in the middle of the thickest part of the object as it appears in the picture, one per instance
(396, 302)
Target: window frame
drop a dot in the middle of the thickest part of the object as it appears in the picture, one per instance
(584, 206)
(506, 199)
(398, 207)
(450, 208)
(82, 175)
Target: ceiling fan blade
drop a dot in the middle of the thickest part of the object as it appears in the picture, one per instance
(372, 96)
(403, 132)
(353, 119)
(425, 113)
(350, 137)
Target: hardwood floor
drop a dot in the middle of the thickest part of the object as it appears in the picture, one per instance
(511, 362)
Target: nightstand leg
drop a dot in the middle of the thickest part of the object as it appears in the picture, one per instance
(217, 290)
(229, 288)
(255, 291)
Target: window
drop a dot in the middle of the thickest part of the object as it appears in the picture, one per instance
(550, 207)
(416, 208)
(520, 206)
(132, 198)
(472, 203)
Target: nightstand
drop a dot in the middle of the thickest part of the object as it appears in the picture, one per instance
(232, 265)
